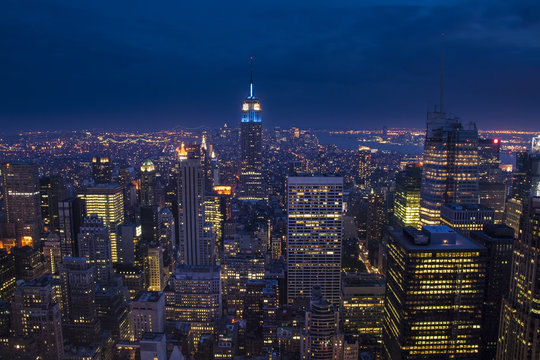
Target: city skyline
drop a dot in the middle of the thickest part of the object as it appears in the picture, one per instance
(153, 68)
(150, 211)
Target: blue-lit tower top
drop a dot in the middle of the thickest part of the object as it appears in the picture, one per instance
(251, 109)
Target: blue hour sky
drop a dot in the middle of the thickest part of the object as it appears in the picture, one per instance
(152, 65)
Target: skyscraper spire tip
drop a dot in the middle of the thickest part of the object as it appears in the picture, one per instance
(251, 76)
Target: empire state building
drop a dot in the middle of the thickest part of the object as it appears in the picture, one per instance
(251, 179)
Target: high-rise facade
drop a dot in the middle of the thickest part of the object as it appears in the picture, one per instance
(29, 264)
(79, 312)
(36, 314)
(194, 296)
(488, 158)
(493, 195)
(112, 309)
(526, 183)
(70, 215)
(236, 271)
(435, 294)
(147, 314)
(526, 180)
(154, 269)
(465, 218)
(107, 202)
(166, 230)
(407, 198)
(195, 247)
(51, 190)
(22, 201)
(7, 275)
(129, 236)
(149, 223)
(362, 308)
(52, 253)
(450, 172)
(498, 240)
(376, 220)
(314, 234)
(365, 168)
(320, 338)
(251, 178)
(148, 183)
(519, 331)
(101, 170)
(95, 246)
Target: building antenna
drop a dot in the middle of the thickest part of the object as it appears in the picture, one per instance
(441, 101)
(251, 76)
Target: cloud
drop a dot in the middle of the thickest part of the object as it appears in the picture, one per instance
(316, 62)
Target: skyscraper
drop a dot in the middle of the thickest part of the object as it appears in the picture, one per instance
(129, 236)
(166, 230)
(36, 314)
(7, 275)
(526, 180)
(251, 179)
(101, 170)
(149, 223)
(154, 268)
(376, 219)
(498, 239)
(95, 246)
(195, 247)
(112, 309)
(320, 338)
(362, 309)
(488, 158)
(70, 215)
(407, 198)
(29, 264)
(51, 190)
(493, 195)
(52, 253)
(519, 331)
(435, 294)
(194, 296)
(107, 202)
(315, 226)
(526, 183)
(22, 201)
(364, 166)
(148, 183)
(147, 314)
(450, 171)
(81, 324)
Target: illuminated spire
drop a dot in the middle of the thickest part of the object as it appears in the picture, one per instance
(203, 142)
(148, 166)
(251, 77)
(182, 152)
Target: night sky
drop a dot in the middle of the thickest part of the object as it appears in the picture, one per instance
(153, 65)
